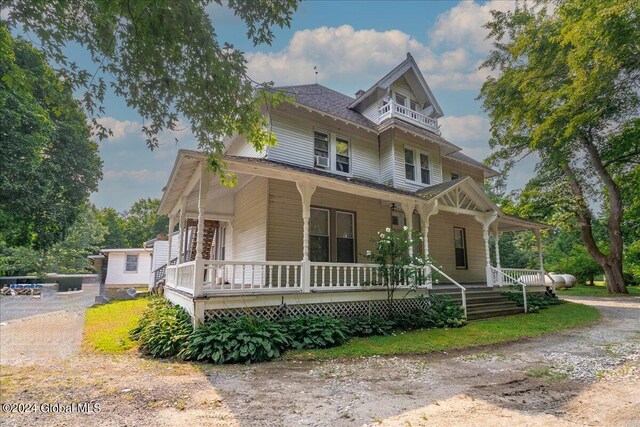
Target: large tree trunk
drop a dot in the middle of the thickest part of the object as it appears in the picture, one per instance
(612, 263)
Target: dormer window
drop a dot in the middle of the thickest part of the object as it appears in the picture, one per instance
(400, 99)
(413, 105)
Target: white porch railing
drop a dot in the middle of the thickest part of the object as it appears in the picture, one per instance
(463, 290)
(514, 276)
(251, 275)
(393, 109)
(343, 275)
(501, 277)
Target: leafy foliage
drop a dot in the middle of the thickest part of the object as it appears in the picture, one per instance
(50, 165)
(163, 329)
(242, 340)
(130, 229)
(164, 58)
(308, 332)
(368, 326)
(564, 85)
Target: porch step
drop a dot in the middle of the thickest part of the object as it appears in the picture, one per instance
(496, 312)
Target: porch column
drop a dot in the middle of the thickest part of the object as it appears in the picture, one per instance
(306, 189)
(486, 219)
(170, 235)
(198, 281)
(408, 208)
(497, 245)
(536, 231)
(426, 210)
(181, 226)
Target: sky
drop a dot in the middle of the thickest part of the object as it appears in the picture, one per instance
(353, 44)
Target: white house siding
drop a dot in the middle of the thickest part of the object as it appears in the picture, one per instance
(402, 87)
(441, 247)
(295, 144)
(399, 175)
(386, 158)
(160, 249)
(449, 166)
(284, 235)
(250, 222)
(243, 148)
(372, 111)
(117, 277)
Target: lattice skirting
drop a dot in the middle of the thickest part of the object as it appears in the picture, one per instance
(333, 309)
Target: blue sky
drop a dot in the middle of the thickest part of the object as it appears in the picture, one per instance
(353, 43)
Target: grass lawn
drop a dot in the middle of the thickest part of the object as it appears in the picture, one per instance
(598, 290)
(481, 332)
(106, 327)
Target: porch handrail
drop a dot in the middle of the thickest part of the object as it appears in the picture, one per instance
(514, 281)
(463, 290)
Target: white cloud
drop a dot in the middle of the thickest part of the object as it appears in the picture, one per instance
(465, 130)
(462, 25)
(356, 56)
(120, 128)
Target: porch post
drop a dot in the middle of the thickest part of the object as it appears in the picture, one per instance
(408, 208)
(497, 245)
(170, 235)
(536, 231)
(426, 210)
(486, 219)
(202, 207)
(306, 189)
(181, 224)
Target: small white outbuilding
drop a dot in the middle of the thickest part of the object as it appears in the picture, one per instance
(127, 267)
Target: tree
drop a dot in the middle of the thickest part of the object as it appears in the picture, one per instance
(49, 163)
(115, 225)
(163, 57)
(143, 223)
(565, 86)
(396, 266)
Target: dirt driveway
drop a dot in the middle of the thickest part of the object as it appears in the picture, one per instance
(588, 376)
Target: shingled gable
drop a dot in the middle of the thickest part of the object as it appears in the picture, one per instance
(408, 68)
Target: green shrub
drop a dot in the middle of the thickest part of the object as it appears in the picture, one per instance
(309, 332)
(535, 302)
(414, 319)
(163, 329)
(367, 326)
(244, 339)
(444, 312)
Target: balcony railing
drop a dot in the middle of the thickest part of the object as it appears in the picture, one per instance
(393, 109)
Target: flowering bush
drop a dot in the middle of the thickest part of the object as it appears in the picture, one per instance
(397, 265)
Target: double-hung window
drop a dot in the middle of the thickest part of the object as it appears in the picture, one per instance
(413, 105)
(319, 235)
(460, 244)
(414, 159)
(131, 264)
(321, 144)
(345, 240)
(400, 99)
(343, 162)
(331, 236)
(409, 164)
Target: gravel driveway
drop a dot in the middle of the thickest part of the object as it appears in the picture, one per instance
(585, 376)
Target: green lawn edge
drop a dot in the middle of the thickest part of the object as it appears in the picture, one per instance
(107, 326)
(474, 334)
(598, 290)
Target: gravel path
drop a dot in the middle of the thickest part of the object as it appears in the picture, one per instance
(585, 376)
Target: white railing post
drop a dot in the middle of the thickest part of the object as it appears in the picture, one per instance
(198, 278)
(524, 298)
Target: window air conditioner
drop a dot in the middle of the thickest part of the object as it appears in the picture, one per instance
(322, 162)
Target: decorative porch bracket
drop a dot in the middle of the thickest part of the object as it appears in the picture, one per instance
(486, 219)
(306, 189)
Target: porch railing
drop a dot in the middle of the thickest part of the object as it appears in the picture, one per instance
(514, 276)
(252, 275)
(500, 276)
(463, 290)
(394, 109)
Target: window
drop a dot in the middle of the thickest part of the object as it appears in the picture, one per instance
(425, 173)
(321, 144)
(131, 264)
(460, 244)
(319, 235)
(400, 99)
(409, 165)
(454, 175)
(345, 240)
(413, 105)
(342, 155)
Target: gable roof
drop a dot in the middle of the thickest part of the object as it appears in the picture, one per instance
(384, 83)
(459, 156)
